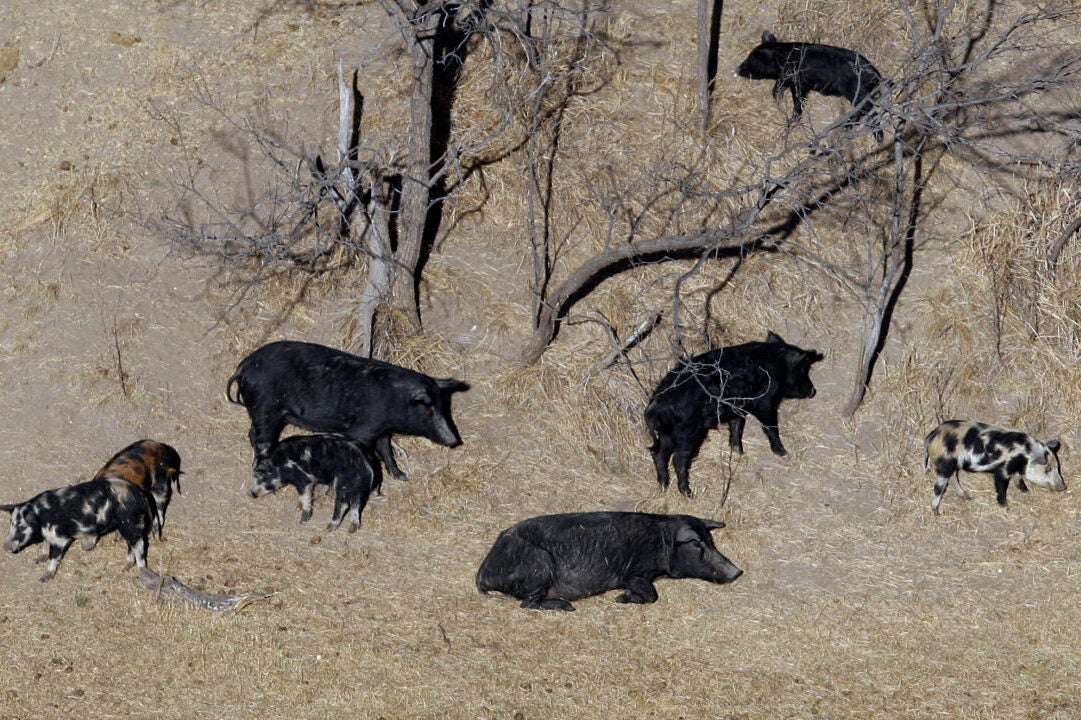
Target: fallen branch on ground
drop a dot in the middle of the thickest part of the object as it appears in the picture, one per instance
(169, 587)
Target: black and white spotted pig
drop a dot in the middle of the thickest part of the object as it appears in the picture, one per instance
(304, 461)
(86, 512)
(151, 465)
(977, 447)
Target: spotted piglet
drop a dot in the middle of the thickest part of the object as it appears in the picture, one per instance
(977, 447)
(304, 461)
(86, 512)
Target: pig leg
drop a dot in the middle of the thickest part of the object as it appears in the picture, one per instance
(136, 536)
(735, 433)
(264, 433)
(346, 498)
(662, 454)
(354, 518)
(541, 598)
(682, 463)
(949, 471)
(638, 590)
(1002, 481)
(386, 453)
(797, 99)
(940, 489)
(1017, 467)
(56, 554)
(768, 418)
(357, 500)
(136, 554)
(339, 513)
(955, 483)
(305, 499)
(685, 454)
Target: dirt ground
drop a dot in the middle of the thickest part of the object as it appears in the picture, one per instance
(856, 602)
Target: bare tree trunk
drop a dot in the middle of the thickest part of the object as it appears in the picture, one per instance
(377, 286)
(709, 31)
(416, 179)
(897, 265)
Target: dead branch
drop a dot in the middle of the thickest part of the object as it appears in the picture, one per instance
(1056, 248)
(168, 587)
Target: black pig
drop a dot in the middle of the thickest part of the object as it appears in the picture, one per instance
(306, 460)
(85, 511)
(802, 67)
(548, 561)
(726, 384)
(329, 391)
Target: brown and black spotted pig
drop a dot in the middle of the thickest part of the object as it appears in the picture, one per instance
(151, 465)
(977, 447)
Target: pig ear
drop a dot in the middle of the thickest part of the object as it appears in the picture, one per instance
(713, 524)
(450, 385)
(767, 37)
(8, 508)
(772, 337)
(687, 534)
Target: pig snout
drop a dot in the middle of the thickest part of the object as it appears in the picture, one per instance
(728, 572)
(720, 569)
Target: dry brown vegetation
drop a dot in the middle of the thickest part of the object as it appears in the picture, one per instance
(856, 602)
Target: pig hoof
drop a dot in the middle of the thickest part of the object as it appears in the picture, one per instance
(687, 492)
(353, 527)
(306, 516)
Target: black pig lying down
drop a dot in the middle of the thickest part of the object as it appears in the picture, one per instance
(802, 67)
(724, 385)
(548, 561)
(304, 461)
(324, 390)
(85, 511)
(151, 465)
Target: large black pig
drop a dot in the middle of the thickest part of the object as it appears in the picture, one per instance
(325, 390)
(550, 560)
(726, 384)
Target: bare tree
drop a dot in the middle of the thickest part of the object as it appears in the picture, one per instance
(980, 87)
(382, 202)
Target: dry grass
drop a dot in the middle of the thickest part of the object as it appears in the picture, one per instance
(856, 602)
